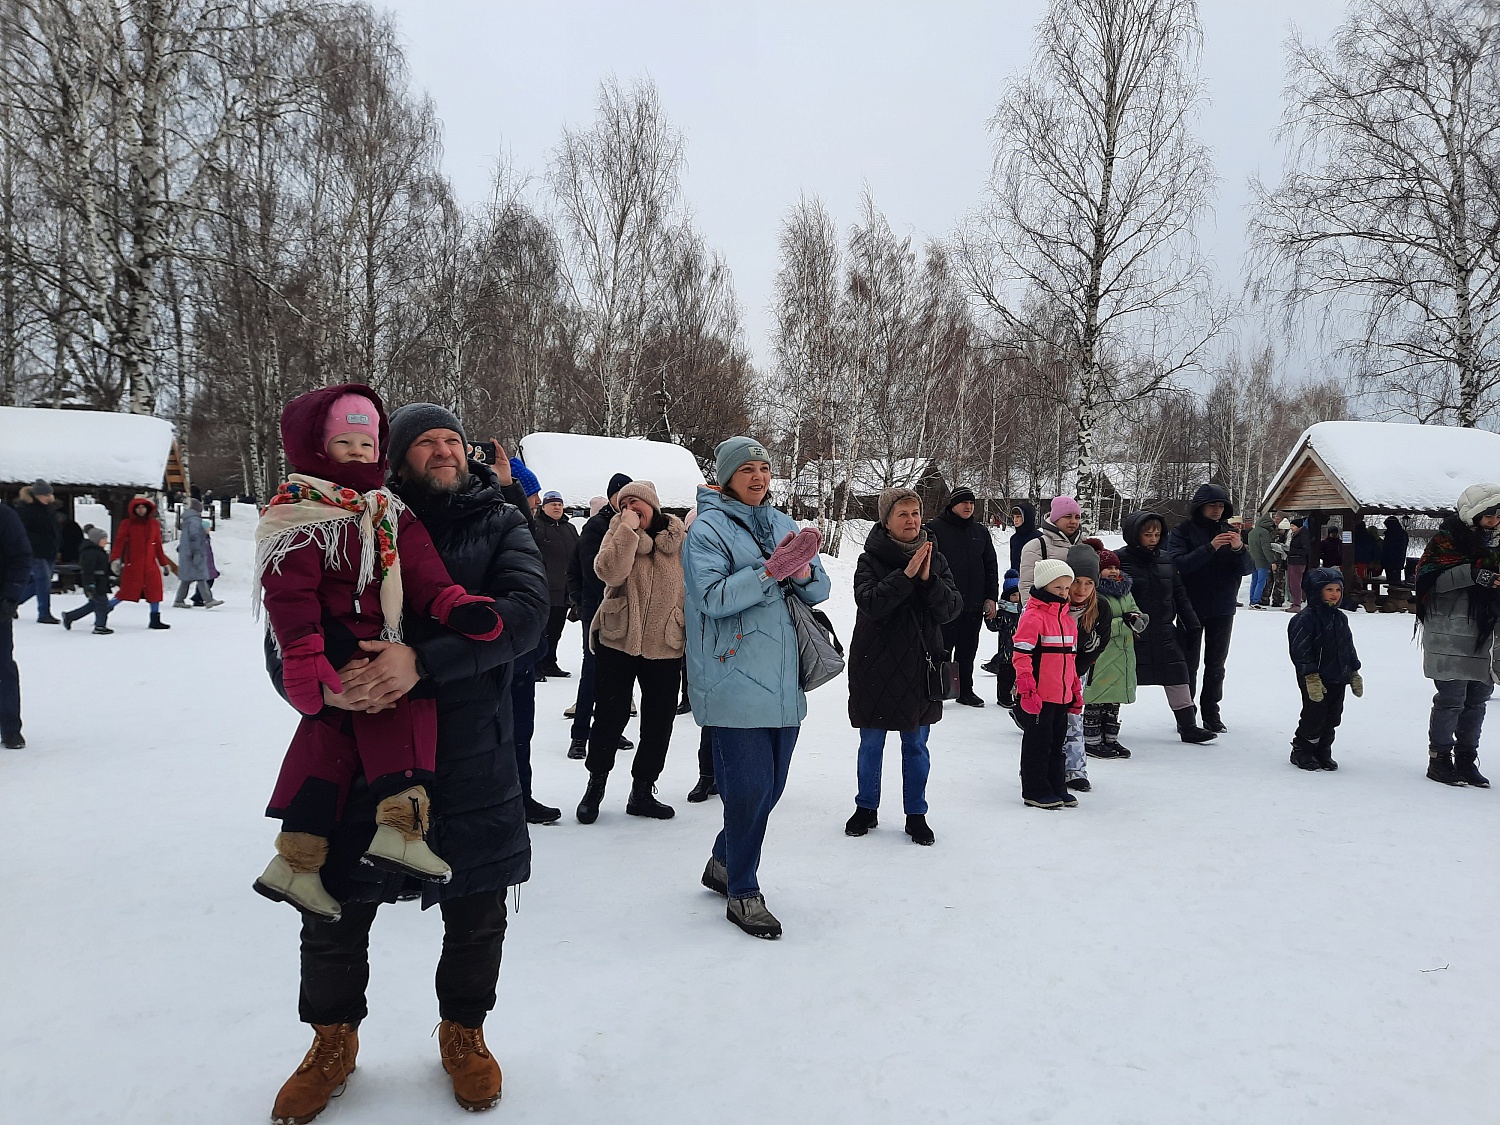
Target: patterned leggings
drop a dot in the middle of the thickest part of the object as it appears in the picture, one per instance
(1101, 723)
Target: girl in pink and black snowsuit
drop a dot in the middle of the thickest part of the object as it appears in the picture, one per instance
(337, 554)
(1045, 659)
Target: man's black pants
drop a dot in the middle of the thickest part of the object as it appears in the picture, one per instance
(336, 962)
(1212, 643)
(557, 621)
(961, 639)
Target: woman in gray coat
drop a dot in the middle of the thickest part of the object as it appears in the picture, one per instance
(192, 557)
(1458, 604)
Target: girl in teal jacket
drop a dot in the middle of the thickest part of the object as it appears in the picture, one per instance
(743, 664)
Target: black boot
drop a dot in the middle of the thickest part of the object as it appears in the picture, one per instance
(538, 813)
(1119, 751)
(1188, 728)
(1466, 765)
(1303, 758)
(157, 622)
(643, 802)
(1324, 755)
(1440, 768)
(861, 822)
(918, 830)
(578, 749)
(685, 707)
(1212, 722)
(588, 808)
(705, 789)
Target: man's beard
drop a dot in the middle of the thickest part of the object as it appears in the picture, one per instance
(437, 491)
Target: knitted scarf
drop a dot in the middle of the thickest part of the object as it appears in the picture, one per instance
(307, 511)
(1458, 544)
(1115, 587)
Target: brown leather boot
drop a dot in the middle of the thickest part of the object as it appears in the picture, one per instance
(329, 1062)
(475, 1073)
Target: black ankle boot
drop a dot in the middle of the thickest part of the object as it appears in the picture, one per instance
(157, 622)
(861, 822)
(588, 808)
(1187, 726)
(643, 802)
(1466, 765)
(919, 831)
(705, 789)
(1440, 768)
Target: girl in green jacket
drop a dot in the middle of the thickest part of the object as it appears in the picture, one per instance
(1112, 681)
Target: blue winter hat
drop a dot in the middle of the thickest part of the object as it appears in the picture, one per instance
(1012, 582)
(733, 452)
(1314, 581)
(524, 477)
(551, 496)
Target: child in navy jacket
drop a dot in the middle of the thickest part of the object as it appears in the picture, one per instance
(1322, 649)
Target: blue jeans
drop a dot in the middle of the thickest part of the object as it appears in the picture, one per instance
(915, 763)
(41, 586)
(751, 766)
(10, 680)
(1258, 582)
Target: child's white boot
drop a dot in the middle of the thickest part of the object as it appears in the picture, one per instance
(293, 876)
(400, 822)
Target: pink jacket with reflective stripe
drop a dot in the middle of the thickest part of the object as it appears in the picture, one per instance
(1045, 645)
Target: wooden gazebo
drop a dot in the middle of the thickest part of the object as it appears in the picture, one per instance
(1358, 469)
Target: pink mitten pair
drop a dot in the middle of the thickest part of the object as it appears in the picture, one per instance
(794, 554)
(305, 671)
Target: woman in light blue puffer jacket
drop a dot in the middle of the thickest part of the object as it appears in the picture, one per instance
(743, 666)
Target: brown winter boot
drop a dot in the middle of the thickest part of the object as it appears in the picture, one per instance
(474, 1071)
(398, 844)
(321, 1076)
(293, 876)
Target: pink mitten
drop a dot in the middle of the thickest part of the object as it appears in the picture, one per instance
(305, 672)
(1031, 703)
(794, 554)
(470, 614)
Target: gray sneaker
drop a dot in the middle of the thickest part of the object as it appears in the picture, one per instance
(716, 877)
(750, 914)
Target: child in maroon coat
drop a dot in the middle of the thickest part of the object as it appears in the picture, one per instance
(1046, 663)
(336, 555)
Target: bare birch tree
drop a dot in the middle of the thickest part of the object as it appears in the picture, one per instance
(1389, 210)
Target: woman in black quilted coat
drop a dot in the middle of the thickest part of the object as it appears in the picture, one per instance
(905, 594)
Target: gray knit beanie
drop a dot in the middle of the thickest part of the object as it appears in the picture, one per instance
(890, 498)
(411, 422)
(1084, 561)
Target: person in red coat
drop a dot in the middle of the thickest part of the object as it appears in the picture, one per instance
(138, 557)
(337, 556)
(1045, 657)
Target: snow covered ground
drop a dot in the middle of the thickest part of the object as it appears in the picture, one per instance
(1212, 937)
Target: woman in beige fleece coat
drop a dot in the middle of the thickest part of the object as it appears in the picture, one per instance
(637, 637)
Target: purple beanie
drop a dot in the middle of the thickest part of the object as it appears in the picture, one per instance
(1064, 506)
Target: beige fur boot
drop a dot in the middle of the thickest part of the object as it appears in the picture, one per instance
(293, 876)
(400, 823)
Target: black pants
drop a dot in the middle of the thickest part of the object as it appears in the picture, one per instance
(10, 678)
(1043, 767)
(961, 639)
(615, 676)
(336, 961)
(557, 620)
(98, 605)
(583, 704)
(1319, 721)
(523, 721)
(1212, 642)
(706, 753)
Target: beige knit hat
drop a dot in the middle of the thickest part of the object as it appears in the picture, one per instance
(643, 489)
(1049, 571)
(890, 498)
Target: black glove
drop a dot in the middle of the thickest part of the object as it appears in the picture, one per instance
(573, 614)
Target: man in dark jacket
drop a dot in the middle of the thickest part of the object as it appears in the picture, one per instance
(586, 591)
(95, 577)
(1301, 553)
(1393, 550)
(34, 506)
(1212, 560)
(558, 540)
(971, 560)
(15, 575)
(478, 823)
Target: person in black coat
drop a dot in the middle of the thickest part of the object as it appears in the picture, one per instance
(558, 540)
(905, 593)
(34, 504)
(15, 577)
(478, 820)
(1162, 597)
(95, 577)
(1393, 550)
(586, 591)
(1211, 557)
(1322, 650)
(971, 559)
(1023, 519)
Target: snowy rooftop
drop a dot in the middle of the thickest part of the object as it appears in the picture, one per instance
(83, 447)
(1395, 465)
(580, 465)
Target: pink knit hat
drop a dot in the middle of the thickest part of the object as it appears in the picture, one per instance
(1063, 506)
(351, 414)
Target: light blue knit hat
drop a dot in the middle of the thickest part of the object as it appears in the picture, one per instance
(733, 452)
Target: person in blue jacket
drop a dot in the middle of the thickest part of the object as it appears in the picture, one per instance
(1322, 650)
(1211, 557)
(743, 664)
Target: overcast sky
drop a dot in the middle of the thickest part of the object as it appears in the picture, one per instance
(807, 96)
